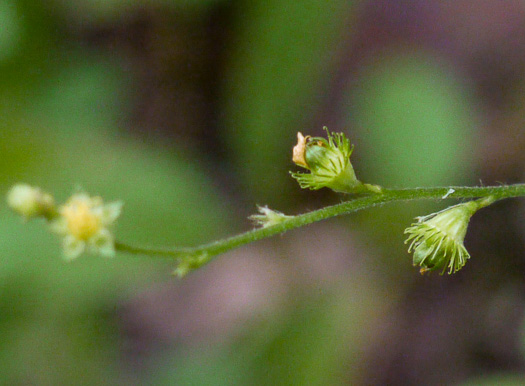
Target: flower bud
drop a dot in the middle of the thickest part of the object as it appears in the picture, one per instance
(30, 202)
(437, 239)
(268, 217)
(328, 162)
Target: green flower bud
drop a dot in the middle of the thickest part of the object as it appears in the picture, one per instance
(268, 217)
(437, 239)
(189, 263)
(328, 161)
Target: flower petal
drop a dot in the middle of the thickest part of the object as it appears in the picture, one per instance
(73, 247)
(111, 212)
(59, 226)
(103, 243)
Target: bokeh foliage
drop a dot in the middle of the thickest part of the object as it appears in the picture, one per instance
(63, 109)
(67, 105)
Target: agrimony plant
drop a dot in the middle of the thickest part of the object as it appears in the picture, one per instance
(436, 240)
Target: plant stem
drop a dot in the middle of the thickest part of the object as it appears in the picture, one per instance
(200, 255)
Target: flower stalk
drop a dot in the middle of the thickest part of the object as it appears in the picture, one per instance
(85, 222)
(195, 257)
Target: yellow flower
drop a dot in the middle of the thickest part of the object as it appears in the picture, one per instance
(85, 224)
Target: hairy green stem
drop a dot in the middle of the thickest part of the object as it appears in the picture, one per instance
(194, 257)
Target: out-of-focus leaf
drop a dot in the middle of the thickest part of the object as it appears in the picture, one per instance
(279, 65)
(58, 325)
(26, 42)
(416, 123)
(314, 343)
(11, 31)
(315, 346)
(414, 127)
(107, 11)
(86, 94)
(498, 379)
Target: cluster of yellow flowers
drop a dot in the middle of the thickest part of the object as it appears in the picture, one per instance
(83, 222)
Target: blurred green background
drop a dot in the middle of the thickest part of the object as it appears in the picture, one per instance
(187, 111)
